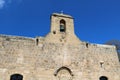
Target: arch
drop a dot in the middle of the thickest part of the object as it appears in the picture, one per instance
(62, 68)
(103, 78)
(62, 25)
(16, 77)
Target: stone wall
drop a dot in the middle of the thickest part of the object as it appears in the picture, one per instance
(41, 61)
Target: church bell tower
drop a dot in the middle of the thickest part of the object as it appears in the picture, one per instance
(61, 23)
(62, 29)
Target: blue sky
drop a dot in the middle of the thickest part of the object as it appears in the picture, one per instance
(96, 21)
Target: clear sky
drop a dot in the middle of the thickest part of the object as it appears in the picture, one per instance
(96, 21)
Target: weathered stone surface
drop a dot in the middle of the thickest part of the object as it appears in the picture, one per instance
(58, 56)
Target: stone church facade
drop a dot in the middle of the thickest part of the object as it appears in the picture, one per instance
(60, 55)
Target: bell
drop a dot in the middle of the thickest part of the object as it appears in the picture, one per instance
(62, 27)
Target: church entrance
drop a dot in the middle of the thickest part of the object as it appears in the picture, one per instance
(64, 73)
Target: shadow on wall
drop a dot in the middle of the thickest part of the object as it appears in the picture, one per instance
(117, 44)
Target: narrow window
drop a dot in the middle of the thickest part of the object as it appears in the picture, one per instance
(103, 78)
(16, 77)
(37, 41)
(62, 26)
(87, 45)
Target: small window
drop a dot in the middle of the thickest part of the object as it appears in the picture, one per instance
(103, 78)
(37, 41)
(16, 77)
(62, 26)
(87, 45)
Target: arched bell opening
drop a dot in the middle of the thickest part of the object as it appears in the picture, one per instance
(62, 26)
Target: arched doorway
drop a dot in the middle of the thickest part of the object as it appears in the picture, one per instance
(64, 73)
(103, 78)
(16, 77)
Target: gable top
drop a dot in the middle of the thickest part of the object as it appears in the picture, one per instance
(62, 15)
